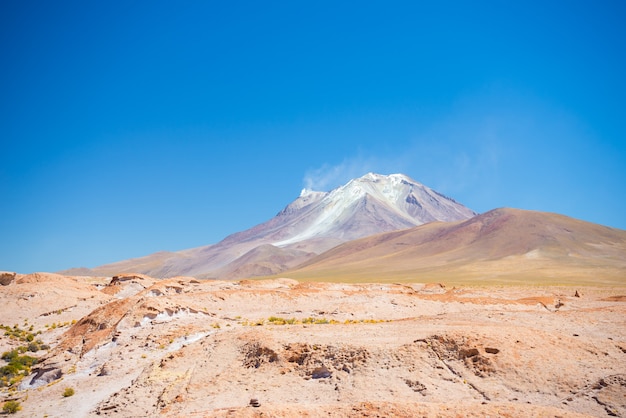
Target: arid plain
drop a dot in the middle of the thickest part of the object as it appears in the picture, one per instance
(134, 346)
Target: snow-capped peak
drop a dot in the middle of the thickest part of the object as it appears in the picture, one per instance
(369, 204)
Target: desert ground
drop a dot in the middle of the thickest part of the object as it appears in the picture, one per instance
(134, 346)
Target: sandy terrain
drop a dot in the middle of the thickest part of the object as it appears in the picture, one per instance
(188, 348)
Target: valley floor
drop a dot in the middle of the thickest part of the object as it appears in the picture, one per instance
(186, 348)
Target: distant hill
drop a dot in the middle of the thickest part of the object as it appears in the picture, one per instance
(503, 245)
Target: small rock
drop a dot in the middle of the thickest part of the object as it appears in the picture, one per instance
(6, 278)
(255, 402)
(42, 377)
(321, 372)
(104, 370)
(469, 352)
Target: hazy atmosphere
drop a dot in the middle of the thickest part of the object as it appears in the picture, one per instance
(133, 127)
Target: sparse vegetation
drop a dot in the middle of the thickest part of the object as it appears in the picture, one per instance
(18, 367)
(68, 392)
(281, 321)
(19, 364)
(60, 324)
(16, 333)
(11, 407)
(276, 320)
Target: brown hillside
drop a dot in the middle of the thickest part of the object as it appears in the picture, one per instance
(503, 244)
(263, 260)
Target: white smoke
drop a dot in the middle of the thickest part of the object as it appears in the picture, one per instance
(329, 176)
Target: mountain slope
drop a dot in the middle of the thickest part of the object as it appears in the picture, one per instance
(310, 225)
(263, 260)
(507, 244)
(373, 203)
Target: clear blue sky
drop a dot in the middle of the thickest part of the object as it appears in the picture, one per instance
(137, 126)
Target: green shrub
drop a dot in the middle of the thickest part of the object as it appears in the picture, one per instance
(10, 355)
(11, 407)
(18, 367)
(10, 370)
(68, 392)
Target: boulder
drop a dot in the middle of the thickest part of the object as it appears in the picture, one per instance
(321, 372)
(6, 278)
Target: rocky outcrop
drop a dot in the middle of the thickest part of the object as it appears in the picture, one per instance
(6, 278)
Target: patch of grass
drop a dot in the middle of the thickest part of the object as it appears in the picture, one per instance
(18, 366)
(276, 320)
(11, 407)
(68, 392)
(282, 321)
(17, 333)
(60, 324)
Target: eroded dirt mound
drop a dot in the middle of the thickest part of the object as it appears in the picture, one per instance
(95, 329)
(473, 357)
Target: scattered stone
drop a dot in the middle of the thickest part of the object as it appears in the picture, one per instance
(104, 370)
(6, 278)
(468, 352)
(255, 403)
(321, 372)
(491, 350)
(255, 354)
(415, 385)
(576, 295)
